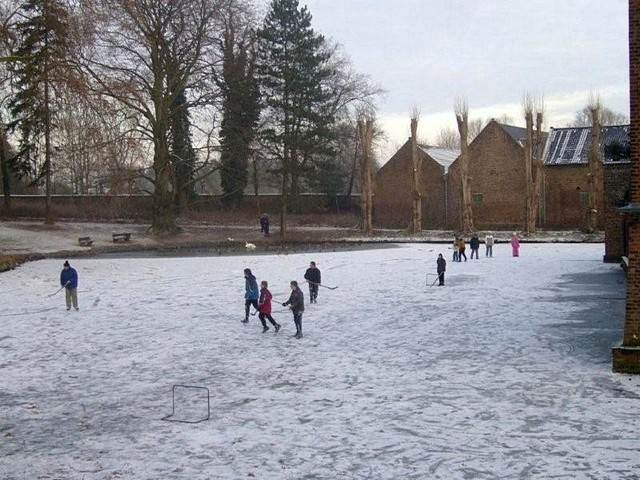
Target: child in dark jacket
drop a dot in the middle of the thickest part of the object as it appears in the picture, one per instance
(264, 307)
(251, 293)
(296, 302)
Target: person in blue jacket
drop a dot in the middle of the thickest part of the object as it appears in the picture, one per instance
(69, 280)
(251, 293)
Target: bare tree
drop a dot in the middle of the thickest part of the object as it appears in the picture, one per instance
(448, 138)
(532, 158)
(595, 180)
(145, 53)
(416, 221)
(365, 130)
(607, 117)
(462, 114)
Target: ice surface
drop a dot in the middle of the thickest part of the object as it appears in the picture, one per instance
(503, 373)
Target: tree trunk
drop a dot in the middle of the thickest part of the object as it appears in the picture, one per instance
(4, 168)
(467, 208)
(530, 219)
(163, 215)
(283, 206)
(366, 134)
(595, 172)
(416, 221)
(48, 214)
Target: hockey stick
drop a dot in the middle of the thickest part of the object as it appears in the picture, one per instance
(321, 285)
(54, 293)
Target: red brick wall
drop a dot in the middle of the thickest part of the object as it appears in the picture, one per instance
(565, 191)
(617, 179)
(496, 168)
(393, 202)
(631, 335)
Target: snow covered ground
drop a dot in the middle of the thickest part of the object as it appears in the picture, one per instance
(503, 373)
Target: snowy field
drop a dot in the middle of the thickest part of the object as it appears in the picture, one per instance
(504, 373)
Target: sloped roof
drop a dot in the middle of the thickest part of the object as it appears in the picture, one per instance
(570, 146)
(443, 156)
(519, 134)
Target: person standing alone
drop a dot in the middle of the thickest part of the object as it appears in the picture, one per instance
(251, 293)
(488, 242)
(442, 267)
(515, 245)
(314, 279)
(69, 280)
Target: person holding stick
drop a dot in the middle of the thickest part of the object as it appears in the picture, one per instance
(264, 307)
(69, 281)
(314, 279)
(296, 304)
(442, 267)
(251, 293)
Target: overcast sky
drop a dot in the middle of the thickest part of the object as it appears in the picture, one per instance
(425, 53)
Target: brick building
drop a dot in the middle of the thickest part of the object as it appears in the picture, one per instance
(497, 172)
(393, 195)
(626, 356)
(565, 192)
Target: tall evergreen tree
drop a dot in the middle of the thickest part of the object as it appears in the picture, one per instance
(293, 72)
(39, 64)
(241, 111)
(183, 156)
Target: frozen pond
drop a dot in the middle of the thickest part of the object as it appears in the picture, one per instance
(503, 373)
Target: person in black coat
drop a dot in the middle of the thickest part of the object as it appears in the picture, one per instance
(314, 279)
(264, 224)
(442, 267)
(475, 245)
(296, 303)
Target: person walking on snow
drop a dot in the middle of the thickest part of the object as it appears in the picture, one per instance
(264, 307)
(264, 224)
(488, 242)
(251, 293)
(69, 280)
(475, 245)
(314, 279)
(442, 267)
(515, 244)
(296, 304)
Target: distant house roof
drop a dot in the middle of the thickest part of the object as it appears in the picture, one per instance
(519, 134)
(570, 146)
(443, 156)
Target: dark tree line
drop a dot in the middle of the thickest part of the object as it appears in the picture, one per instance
(273, 89)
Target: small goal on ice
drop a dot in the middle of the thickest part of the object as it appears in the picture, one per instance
(190, 404)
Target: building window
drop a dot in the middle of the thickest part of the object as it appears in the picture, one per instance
(476, 198)
(583, 198)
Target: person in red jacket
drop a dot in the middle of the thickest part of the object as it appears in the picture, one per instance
(264, 307)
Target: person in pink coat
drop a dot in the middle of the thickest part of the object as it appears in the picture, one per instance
(515, 244)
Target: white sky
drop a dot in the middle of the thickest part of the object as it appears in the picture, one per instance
(503, 373)
(425, 53)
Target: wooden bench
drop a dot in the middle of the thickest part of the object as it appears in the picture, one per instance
(121, 237)
(85, 241)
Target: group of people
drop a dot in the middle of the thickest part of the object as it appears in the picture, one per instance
(459, 248)
(261, 298)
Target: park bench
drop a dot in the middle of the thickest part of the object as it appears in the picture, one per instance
(121, 237)
(85, 241)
